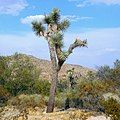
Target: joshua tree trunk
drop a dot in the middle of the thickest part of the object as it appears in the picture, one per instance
(51, 101)
(54, 78)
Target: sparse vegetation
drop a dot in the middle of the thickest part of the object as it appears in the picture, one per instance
(23, 102)
(31, 91)
(112, 108)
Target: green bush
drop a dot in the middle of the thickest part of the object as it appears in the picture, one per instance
(4, 95)
(18, 74)
(26, 101)
(41, 87)
(89, 93)
(104, 72)
(112, 108)
(62, 85)
(107, 73)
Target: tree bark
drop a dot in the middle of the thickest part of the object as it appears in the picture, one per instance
(54, 78)
(51, 101)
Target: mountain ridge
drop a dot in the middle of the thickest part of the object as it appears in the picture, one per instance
(45, 67)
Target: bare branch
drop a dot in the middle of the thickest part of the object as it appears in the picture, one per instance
(77, 43)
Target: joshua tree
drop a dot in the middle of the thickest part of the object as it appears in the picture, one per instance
(52, 29)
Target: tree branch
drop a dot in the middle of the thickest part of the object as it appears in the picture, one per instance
(77, 43)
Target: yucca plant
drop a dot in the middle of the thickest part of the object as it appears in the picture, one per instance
(52, 29)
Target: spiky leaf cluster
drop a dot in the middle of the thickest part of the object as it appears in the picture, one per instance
(55, 15)
(38, 27)
(80, 43)
(53, 24)
(53, 18)
(63, 25)
(64, 55)
(57, 39)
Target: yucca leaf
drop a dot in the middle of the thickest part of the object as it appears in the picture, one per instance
(37, 27)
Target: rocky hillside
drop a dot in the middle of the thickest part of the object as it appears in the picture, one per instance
(45, 67)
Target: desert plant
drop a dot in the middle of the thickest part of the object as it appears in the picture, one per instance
(41, 87)
(19, 74)
(4, 96)
(104, 72)
(23, 101)
(52, 30)
(112, 108)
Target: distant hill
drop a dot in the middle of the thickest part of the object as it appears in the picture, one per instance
(45, 67)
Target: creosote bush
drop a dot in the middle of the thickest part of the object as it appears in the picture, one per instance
(4, 96)
(23, 101)
(112, 108)
(41, 87)
(19, 75)
(86, 95)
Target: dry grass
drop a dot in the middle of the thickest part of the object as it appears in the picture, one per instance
(63, 115)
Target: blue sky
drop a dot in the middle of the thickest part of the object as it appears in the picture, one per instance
(96, 20)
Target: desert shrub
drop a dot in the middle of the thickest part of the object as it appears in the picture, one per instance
(60, 100)
(67, 103)
(16, 87)
(89, 93)
(19, 74)
(104, 72)
(28, 86)
(41, 87)
(26, 101)
(112, 108)
(62, 85)
(73, 100)
(107, 73)
(116, 71)
(4, 95)
(86, 94)
(111, 75)
(117, 64)
(91, 76)
(4, 71)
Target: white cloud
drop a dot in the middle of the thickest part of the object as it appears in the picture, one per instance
(93, 2)
(12, 7)
(29, 19)
(39, 18)
(73, 0)
(107, 2)
(100, 52)
(74, 18)
(81, 5)
(111, 50)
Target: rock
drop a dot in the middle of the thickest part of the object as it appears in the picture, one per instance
(111, 95)
(9, 113)
(102, 117)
